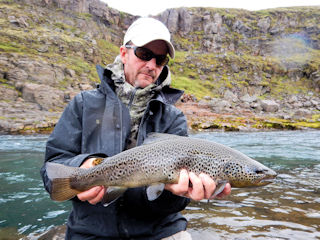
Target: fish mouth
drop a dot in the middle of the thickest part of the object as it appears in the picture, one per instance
(267, 180)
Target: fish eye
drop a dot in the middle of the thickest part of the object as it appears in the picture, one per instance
(259, 171)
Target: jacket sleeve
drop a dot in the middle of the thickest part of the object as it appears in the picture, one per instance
(167, 202)
(64, 144)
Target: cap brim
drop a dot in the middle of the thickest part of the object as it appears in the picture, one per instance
(141, 42)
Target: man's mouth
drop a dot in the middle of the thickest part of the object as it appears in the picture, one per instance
(149, 74)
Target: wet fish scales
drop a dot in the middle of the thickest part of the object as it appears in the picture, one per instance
(160, 162)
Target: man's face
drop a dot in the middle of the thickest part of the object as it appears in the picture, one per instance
(140, 73)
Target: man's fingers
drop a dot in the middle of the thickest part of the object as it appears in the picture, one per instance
(226, 191)
(88, 163)
(99, 196)
(196, 187)
(181, 188)
(208, 184)
(197, 190)
(90, 194)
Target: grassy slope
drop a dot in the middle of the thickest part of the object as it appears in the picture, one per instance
(200, 74)
(215, 68)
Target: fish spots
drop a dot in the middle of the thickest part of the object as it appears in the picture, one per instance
(162, 161)
(171, 175)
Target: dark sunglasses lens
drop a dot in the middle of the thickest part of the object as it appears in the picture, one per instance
(162, 60)
(143, 53)
(146, 55)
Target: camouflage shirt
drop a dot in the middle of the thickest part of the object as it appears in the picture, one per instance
(135, 98)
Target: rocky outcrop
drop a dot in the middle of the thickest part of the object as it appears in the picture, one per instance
(248, 24)
(97, 8)
(291, 107)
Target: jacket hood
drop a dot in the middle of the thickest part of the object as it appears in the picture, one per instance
(118, 74)
(162, 87)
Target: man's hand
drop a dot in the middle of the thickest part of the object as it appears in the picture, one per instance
(95, 194)
(203, 186)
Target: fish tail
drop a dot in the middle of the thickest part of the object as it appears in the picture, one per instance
(60, 177)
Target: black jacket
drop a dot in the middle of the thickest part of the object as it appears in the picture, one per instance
(96, 123)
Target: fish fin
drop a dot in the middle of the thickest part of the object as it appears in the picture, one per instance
(60, 176)
(157, 137)
(154, 191)
(219, 188)
(112, 194)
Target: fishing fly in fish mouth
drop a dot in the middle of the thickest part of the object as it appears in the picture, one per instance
(158, 162)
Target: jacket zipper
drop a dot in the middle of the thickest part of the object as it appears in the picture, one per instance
(144, 117)
(120, 110)
(121, 127)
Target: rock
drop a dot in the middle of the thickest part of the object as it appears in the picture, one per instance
(171, 19)
(230, 96)
(213, 102)
(43, 48)
(16, 74)
(203, 103)
(37, 71)
(314, 102)
(211, 28)
(315, 78)
(218, 19)
(307, 104)
(295, 74)
(235, 67)
(44, 95)
(185, 20)
(70, 72)
(292, 99)
(256, 106)
(240, 27)
(269, 106)
(245, 105)
(302, 113)
(85, 86)
(20, 22)
(99, 9)
(248, 98)
(222, 105)
(188, 98)
(297, 105)
(177, 20)
(264, 24)
(8, 93)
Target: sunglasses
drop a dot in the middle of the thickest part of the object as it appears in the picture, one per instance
(146, 55)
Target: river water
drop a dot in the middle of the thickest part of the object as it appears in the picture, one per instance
(286, 209)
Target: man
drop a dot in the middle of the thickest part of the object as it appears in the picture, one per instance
(134, 99)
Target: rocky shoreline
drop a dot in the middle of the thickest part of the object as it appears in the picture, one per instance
(248, 113)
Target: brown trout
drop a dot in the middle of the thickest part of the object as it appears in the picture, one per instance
(159, 160)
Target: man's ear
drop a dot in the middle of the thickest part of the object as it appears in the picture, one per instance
(123, 54)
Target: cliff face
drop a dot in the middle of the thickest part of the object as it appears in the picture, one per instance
(250, 50)
(219, 28)
(49, 49)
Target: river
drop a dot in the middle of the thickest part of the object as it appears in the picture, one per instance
(286, 209)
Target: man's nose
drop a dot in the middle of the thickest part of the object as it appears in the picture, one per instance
(151, 64)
